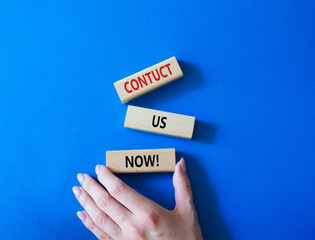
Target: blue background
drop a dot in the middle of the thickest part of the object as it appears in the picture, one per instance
(249, 71)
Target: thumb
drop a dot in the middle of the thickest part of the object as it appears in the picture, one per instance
(183, 193)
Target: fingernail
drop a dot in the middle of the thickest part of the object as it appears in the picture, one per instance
(80, 177)
(77, 192)
(82, 216)
(97, 168)
(183, 164)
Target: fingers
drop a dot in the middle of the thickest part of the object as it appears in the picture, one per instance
(97, 215)
(183, 194)
(103, 199)
(128, 197)
(89, 224)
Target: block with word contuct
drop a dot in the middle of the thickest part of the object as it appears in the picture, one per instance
(148, 80)
(149, 120)
(136, 161)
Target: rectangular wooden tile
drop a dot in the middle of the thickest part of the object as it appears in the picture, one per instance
(148, 80)
(134, 161)
(155, 121)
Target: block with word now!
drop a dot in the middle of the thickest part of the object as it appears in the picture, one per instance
(155, 121)
(148, 80)
(134, 161)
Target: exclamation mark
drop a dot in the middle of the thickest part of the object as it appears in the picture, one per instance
(157, 160)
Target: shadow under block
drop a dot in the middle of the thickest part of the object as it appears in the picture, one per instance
(134, 161)
(148, 80)
(150, 120)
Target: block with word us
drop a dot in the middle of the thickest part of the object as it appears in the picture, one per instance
(148, 80)
(134, 161)
(155, 121)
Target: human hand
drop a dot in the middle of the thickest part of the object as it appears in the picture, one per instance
(119, 212)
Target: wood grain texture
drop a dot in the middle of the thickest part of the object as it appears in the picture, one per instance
(135, 161)
(160, 122)
(148, 79)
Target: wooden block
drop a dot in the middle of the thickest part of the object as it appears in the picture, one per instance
(150, 120)
(134, 161)
(148, 80)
